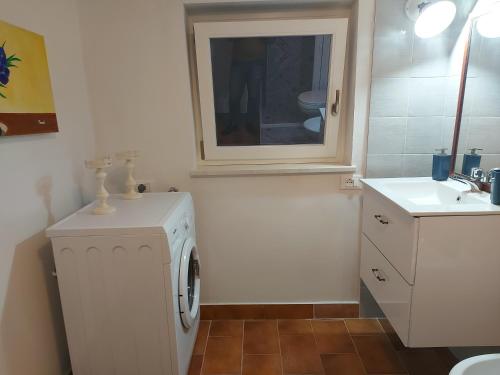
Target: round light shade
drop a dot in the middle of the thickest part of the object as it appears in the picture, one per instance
(488, 25)
(435, 18)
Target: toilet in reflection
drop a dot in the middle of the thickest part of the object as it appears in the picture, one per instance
(312, 103)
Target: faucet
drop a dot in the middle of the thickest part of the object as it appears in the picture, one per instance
(473, 187)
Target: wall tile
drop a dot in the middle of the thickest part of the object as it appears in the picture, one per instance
(389, 97)
(485, 94)
(485, 55)
(384, 166)
(484, 132)
(432, 57)
(427, 96)
(451, 95)
(387, 135)
(449, 131)
(393, 55)
(391, 19)
(423, 135)
(474, 67)
(417, 165)
(459, 163)
(490, 161)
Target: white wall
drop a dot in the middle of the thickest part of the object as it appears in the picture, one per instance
(262, 239)
(42, 181)
(414, 91)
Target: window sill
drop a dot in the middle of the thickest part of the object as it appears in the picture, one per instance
(269, 169)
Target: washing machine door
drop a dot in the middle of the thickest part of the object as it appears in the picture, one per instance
(189, 283)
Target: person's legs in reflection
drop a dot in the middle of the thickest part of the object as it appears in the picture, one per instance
(236, 87)
(254, 86)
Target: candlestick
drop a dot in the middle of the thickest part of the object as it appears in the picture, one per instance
(129, 157)
(102, 194)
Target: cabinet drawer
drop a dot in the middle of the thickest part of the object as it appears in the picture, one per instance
(390, 290)
(393, 231)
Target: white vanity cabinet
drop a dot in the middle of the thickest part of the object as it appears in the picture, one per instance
(435, 276)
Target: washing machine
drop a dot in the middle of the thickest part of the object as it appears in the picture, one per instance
(130, 285)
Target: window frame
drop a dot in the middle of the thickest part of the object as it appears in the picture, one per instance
(331, 150)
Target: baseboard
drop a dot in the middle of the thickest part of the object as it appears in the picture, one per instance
(280, 311)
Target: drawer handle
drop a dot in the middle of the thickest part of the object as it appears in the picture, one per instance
(41, 122)
(377, 275)
(381, 219)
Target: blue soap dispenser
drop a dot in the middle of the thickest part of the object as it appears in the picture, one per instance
(494, 175)
(472, 160)
(441, 163)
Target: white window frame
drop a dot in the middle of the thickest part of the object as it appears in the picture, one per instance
(329, 150)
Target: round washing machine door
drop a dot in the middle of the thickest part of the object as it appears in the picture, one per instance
(189, 283)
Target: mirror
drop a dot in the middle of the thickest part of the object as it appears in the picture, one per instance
(477, 131)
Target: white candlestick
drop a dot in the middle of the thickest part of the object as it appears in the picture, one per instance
(102, 207)
(129, 157)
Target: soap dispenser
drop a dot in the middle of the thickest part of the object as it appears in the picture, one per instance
(441, 163)
(494, 176)
(472, 160)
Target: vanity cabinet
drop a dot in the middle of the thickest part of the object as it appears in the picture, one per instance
(436, 278)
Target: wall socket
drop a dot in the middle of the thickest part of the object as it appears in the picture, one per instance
(143, 186)
(350, 182)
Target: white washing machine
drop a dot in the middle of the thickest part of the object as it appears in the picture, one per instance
(130, 286)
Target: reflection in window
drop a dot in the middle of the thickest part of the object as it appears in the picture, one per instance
(270, 90)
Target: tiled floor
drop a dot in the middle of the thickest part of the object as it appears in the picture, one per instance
(328, 347)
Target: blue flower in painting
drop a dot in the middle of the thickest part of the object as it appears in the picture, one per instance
(4, 67)
(6, 63)
(3, 56)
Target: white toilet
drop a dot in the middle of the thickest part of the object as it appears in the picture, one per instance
(313, 103)
(488, 364)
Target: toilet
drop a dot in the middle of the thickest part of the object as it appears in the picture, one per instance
(313, 103)
(488, 364)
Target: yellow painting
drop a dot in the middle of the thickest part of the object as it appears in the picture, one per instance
(26, 100)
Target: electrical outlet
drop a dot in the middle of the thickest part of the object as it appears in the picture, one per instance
(350, 182)
(143, 186)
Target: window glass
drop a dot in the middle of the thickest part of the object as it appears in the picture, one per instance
(192, 274)
(270, 90)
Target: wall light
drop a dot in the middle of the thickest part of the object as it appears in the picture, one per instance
(431, 17)
(488, 25)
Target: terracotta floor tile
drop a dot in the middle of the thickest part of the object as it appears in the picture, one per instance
(391, 333)
(201, 339)
(229, 328)
(329, 343)
(261, 337)
(223, 355)
(363, 326)
(426, 361)
(300, 355)
(336, 327)
(195, 365)
(378, 355)
(294, 327)
(262, 364)
(342, 364)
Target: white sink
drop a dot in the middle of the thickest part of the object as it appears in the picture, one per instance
(422, 196)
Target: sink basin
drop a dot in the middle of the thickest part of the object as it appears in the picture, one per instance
(422, 196)
(427, 193)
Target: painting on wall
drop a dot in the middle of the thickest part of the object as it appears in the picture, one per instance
(26, 101)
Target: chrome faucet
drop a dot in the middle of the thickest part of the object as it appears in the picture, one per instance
(477, 174)
(473, 187)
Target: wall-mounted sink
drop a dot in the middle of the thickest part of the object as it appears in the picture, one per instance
(422, 196)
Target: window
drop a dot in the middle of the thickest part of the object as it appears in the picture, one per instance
(270, 90)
